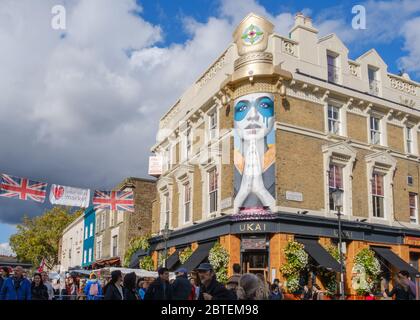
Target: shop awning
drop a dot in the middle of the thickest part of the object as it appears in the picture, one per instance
(394, 260)
(135, 259)
(319, 254)
(198, 256)
(173, 259)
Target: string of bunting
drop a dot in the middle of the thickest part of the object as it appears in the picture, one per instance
(26, 189)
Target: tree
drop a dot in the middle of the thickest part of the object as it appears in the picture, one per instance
(39, 237)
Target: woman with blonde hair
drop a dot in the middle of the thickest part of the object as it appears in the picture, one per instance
(250, 287)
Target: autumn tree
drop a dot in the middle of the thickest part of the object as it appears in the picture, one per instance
(39, 237)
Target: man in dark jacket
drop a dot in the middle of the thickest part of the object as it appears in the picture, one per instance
(160, 289)
(181, 288)
(16, 287)
(210, 288)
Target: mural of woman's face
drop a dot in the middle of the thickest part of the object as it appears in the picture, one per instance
(254, 115)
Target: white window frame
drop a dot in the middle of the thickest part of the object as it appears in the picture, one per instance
(216, 190)
(213, 128)
(99, 249)
(186, 203)
(377, 132)
(375, 83)
(90, 255)
(84, 256)
(385, 164)
(343, 155)
(379, 197)
(335, 67)
(114, 239)
(103, 220)
(416, 208)
(91, 230)
(86, 232)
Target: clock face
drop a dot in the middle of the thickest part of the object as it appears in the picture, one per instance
(252, 35)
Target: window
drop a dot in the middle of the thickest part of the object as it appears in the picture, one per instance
(166, 158)
(375, 130)
(413, 207)
(167, 209)
(187, 202)
(378, 195)
(213, 185)
(86, 232)
(103, 221)
(71, 248)
(409, 140)
(333, 119)
(84, 256)
(115, 246)
(112, 217)
(98, 249)
(373, 81)
(90, 254)
(335, 177)
(333, 70)
(91, 230)
(410, 180)
(213, 125)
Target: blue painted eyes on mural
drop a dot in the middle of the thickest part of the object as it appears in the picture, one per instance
(264, 105)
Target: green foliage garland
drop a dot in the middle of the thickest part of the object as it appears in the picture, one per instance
(140, 243)
(367, 270)
(185, 254)
(296, 261)
(219, 259)
(146, 263)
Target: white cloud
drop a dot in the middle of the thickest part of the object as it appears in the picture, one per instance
(5, 249)
(411, 33)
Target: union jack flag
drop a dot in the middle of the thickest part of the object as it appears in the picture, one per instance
(22, 188)
(113, 200)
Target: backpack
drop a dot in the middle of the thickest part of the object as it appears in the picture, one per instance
(93, 290)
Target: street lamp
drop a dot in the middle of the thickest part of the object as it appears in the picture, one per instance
(337, 196)
(165, 234)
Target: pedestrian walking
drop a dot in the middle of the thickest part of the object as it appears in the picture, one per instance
(47, 283)
(142, 286)
(250, 287)
(129, 288)
(275, 293)
(210, 288)
(401, 290)
(38, 290)
(181, 288)
(232, 283)
(113, 289)
(16, 287)
(72, 287)
(5, 273)
(195, 287)
(93, 289)
(160, 289)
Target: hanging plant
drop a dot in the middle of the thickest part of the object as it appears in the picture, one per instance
(162, 256)
(296, 261)
(185, 254)
(146, 263)
(366, 272)
(219, 259)
(140, 243)
(329, 278)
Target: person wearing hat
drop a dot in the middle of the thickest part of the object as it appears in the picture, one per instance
(93, 289)
(211, 289)
(160, 289)
(181, 288)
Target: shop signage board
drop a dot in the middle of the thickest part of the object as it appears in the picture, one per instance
(155, 165)
(254, 227)
(412, 241)
(254, 244)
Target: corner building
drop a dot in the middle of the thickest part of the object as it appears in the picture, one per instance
(252, 150)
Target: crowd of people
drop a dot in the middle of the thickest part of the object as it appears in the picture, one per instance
(201, 284)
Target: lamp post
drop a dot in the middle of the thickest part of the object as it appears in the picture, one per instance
(337, 196)
(165, 234)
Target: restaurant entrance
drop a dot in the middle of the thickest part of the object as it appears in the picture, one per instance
(255, 255)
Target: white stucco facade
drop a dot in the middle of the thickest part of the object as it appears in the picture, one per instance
(72, 245)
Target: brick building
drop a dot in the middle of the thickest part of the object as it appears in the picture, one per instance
(114, 230)
(253, 149)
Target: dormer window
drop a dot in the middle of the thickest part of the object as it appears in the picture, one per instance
(373, 81)
(332, 65)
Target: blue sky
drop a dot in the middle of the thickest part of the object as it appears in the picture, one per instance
(88, 113)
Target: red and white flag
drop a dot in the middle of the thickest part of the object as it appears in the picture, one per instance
(114, 200)
(42, 265)
(68, 196)
(22, 188)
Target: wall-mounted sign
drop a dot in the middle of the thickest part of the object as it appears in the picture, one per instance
(226, 203)
(412, 241)
(253, 227)
(294, 196)
(254, 244)
(155, 165)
